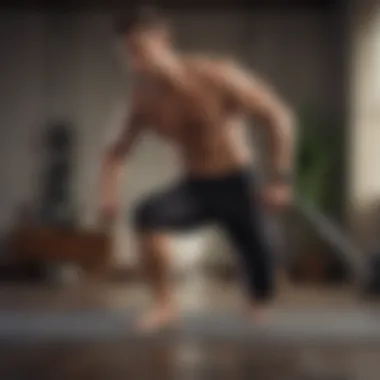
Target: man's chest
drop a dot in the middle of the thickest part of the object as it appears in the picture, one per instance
(168, 112)
(173, 112)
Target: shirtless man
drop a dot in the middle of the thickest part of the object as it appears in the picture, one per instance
(197, 104)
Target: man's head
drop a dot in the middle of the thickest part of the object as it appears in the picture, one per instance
(146, 37)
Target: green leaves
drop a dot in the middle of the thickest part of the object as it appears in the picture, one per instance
(319, 148)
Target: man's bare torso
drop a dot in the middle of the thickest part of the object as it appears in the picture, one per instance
(205, 126)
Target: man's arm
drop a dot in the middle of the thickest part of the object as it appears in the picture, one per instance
(259, 101)
(115, 155)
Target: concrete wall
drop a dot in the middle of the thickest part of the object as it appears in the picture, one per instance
(363, 153)
(23, 108)
(65, 66)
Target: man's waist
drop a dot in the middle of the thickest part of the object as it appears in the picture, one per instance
(218, 176)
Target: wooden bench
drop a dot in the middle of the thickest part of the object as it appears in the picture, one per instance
(91, 250)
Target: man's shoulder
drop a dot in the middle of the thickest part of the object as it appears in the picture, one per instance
(217, 68)
(209, 64)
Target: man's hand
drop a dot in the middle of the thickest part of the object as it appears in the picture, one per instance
(277, 196)
(108, 202)
(114, 160)
(108, 212)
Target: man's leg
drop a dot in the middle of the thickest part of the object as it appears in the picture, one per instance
(154, 255)
(257, 263)
(175, 209)
(245, 222)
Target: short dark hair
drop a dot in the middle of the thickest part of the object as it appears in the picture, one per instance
(141, 17)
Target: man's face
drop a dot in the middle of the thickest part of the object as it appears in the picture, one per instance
(145, 48)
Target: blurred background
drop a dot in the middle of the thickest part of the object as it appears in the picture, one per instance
(64, 94)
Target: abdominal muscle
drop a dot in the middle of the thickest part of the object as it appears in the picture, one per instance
(205, 147)
(219, 152)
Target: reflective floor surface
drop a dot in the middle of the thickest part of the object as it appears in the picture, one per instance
(186, 356)
(187, 360)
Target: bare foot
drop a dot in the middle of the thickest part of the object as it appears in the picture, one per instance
(158, 319)
(258, 314)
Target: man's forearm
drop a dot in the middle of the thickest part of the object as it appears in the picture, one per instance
(110, 175)
(282, 140)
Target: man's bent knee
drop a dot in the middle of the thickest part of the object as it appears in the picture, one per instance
(150, 216)
(144, 217)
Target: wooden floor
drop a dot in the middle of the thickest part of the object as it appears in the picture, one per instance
(186, 361)
(185, 358)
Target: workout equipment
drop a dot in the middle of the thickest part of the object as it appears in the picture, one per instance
(335, 236)
(56, 204)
